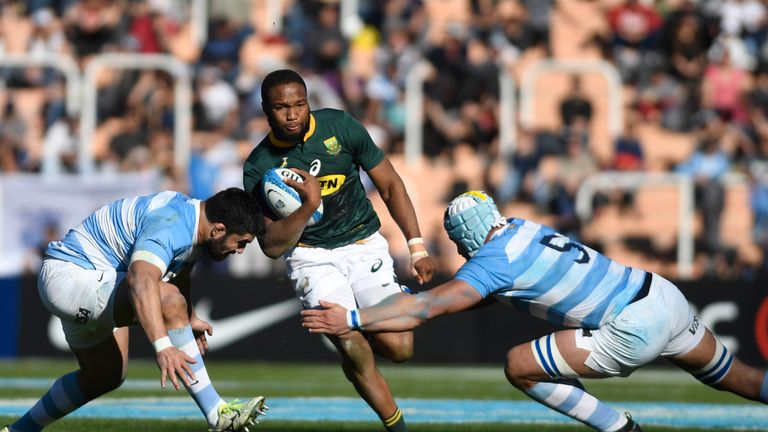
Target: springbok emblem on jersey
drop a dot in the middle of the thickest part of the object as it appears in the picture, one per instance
(332, 146)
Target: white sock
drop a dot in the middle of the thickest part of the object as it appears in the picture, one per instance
(574, 402)
(62, 398)
(201, 389)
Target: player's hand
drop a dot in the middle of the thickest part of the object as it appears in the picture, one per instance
(423, 269)
(331, 320)
(174, 365)
(308, 190)
(200, 328)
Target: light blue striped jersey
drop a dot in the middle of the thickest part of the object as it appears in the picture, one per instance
(549, 276)
(159, 228)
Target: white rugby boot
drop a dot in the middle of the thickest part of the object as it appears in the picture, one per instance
(239, 417)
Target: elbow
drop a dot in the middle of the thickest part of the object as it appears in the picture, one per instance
(271, 248)
(385, 195)
(272, 253)
(391, 190)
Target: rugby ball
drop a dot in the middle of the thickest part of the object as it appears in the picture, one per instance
(283, 199)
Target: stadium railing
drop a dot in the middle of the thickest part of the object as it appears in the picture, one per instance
(182, 131)
(611, 180)
(601, 67)
(414, 109)
(68, 67)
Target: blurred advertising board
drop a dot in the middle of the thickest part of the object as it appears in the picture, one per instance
(35, 207)
(258, 319)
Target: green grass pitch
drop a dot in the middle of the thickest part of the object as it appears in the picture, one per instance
(326, 380)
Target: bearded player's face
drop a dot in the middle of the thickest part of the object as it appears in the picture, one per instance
(288, 111)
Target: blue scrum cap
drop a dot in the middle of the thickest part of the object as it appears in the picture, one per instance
(469, 218)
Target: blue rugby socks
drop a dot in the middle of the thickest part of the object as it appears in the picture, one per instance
(570, 399)
(201, 389)
(62, 398)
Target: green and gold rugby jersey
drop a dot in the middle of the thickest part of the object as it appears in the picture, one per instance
(334, 149)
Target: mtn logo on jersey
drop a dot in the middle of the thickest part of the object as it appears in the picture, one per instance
(332, 146)
(331, 183)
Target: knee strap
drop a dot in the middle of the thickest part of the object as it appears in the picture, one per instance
(717, 368)
(548, 357)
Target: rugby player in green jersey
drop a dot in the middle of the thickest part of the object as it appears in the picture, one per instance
(342, 258)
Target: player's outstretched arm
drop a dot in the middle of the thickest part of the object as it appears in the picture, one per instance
(283, 234)
(399, 312)
(143, 281)
(395, 196)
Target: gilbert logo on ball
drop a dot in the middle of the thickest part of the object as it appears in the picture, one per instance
(283, 199)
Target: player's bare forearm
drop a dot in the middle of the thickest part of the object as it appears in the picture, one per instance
(423, 267)
(144, 284)
(143, 281)
(399, 312)
(401, 209)
(283, 234)
(393, 193)
(401, 324)
(395, 196)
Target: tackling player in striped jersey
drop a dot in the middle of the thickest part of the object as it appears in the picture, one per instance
(129, 263)
(621, 318)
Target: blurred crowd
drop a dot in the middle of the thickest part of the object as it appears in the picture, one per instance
(692, 68)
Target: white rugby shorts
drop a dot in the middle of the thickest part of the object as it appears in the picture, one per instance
(661, 324)
(83, 299)
(354, 276)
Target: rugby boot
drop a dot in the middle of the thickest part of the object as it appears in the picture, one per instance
(239, 417)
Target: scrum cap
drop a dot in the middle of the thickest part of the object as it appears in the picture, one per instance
(469, 218)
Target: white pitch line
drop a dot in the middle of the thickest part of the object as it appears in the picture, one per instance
(708, 416)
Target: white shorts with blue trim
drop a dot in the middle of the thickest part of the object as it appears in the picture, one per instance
(661, 324)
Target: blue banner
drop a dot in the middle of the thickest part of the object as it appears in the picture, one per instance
(9, 316)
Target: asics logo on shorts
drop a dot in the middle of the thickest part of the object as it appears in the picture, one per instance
(82, 316)
(376, 265)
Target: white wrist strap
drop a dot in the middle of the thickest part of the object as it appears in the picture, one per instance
(162, 343)
(419, 254)
(415, 241)
(353, 319)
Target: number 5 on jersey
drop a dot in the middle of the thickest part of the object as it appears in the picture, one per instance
(561, 243)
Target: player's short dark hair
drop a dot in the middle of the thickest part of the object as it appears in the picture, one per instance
(237, 210)
(279, 77)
